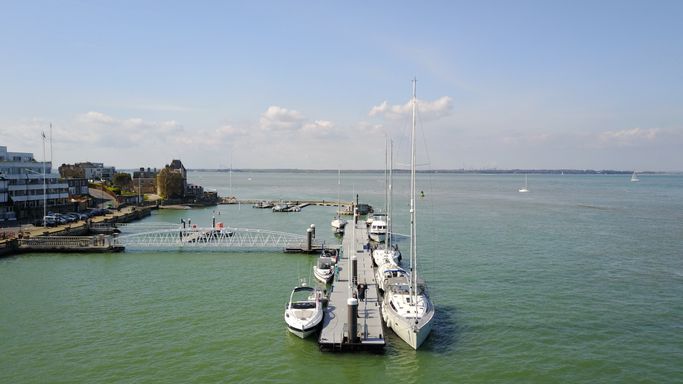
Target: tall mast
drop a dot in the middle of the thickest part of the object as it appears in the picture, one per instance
(339, 194)
(50, 147)
(44, 183)
(413, 229)
(386, 188)
(391, 198)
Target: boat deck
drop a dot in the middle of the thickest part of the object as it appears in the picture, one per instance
(370, 335)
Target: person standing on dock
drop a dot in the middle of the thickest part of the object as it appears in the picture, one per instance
(361, 292)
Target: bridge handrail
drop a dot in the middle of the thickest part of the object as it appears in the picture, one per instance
(208, 229)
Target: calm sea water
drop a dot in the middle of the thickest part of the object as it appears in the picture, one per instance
(579, 280)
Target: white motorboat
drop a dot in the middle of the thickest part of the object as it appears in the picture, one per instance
(338, 224)
(263, 204)
(323, 270)
(375, 216)
(282, 207)
(406, 307)
(378, 230)
(304, 312)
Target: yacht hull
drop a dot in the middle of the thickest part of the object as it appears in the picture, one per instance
(322, 275)
(411, 333)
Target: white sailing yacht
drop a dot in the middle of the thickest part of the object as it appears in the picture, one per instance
(634, 177)
(389, 253)
(526, 185)
(406, 307)
(338, 224)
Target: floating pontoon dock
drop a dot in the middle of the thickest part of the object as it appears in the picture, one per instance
(337, 324)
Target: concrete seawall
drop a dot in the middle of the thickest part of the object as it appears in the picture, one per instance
(9, 247)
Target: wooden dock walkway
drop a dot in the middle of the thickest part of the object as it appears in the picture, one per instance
(335, 330)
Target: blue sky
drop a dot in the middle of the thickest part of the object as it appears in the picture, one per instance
(526, 84)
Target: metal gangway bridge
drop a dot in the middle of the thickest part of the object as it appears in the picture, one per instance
(173, 237)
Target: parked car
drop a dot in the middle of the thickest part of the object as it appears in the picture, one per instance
(50, 221)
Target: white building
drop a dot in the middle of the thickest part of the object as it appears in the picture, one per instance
(97, 171)
(7, 216)
(31, 184)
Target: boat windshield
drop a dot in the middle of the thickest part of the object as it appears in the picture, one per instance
(303, 305)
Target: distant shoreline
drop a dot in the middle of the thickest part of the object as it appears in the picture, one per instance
(456, 171)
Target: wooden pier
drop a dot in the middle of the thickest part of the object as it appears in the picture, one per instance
(369, 335)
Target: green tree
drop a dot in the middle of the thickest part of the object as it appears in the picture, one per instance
(123, 181)
(170, 184)
(67, 171)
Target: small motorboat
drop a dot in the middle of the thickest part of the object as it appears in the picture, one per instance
(323, 270)
(263, 204)
(282, 207)
(338, 224)
(304, 312)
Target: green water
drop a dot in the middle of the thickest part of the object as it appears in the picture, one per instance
(579, 280)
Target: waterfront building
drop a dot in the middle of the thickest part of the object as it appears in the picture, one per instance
(28, 188)
(88, 170)
(177, 166)
(7, 216)
(145, 181)
(172, 181)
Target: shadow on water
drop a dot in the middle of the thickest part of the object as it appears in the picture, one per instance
(446, 331)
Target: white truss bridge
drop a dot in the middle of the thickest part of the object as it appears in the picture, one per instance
(173, 237)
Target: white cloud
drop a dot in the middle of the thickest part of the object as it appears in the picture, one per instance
(427, 109)
(319, 128)
(94, 117)
(278, 118)
(626, 137)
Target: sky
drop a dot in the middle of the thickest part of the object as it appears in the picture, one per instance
(322, 85)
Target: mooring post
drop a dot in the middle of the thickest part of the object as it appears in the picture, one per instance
(353, 319)
(309, 239)
(313, 228)
(354, 270)
(213, 222)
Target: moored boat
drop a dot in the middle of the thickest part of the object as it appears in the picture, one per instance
(263, 204)
(388, 273)
(378, 230)
(407, 310)
(389, 254)
(338, 224)
(323, 270)
(304, 311)
(406, 307)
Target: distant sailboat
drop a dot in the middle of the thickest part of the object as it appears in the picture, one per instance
(634, 177)
(526, 185)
